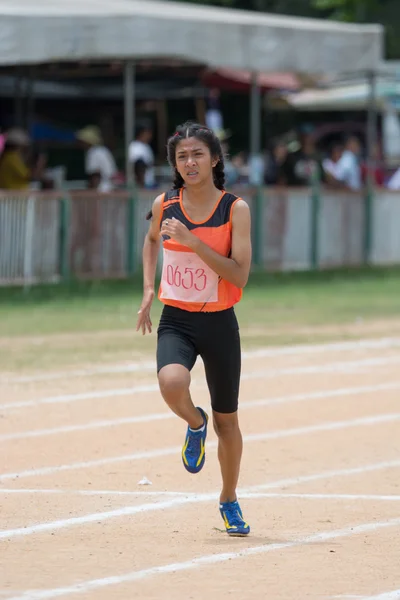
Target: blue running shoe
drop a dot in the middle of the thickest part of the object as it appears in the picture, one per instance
(194, 451)
(233, 519)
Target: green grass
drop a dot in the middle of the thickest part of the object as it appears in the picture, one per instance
(325, 298)
(300, 298)
(273, 310)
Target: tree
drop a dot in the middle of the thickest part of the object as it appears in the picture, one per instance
(288, 7)
(347, 10)
(386, 12)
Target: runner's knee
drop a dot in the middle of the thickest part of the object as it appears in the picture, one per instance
(174, 381)
(225, 425)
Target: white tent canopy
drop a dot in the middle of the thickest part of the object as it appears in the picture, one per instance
(42, 31)
(345, 98)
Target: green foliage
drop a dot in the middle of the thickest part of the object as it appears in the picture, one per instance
(290, 7)
(347, 10)
(386, 12)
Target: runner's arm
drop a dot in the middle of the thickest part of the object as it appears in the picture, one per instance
(236, 268)
(151, 246)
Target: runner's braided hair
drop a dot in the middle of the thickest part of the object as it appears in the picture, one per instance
(206, 135)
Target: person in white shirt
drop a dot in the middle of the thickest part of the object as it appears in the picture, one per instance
(394, 182)
(331, 165)
(141, 157)
(349, 168)
(100, 167)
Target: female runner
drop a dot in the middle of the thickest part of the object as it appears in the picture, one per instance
(205, 233)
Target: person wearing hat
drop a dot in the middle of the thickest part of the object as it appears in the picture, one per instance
(100, 167)
(15, 173)
(231, 165)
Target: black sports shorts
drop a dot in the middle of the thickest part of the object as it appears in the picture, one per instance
(184, 335)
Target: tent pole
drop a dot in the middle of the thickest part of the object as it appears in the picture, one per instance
(255, 172)
(255, 117)
(372, 133)
(30, 117)
(162, 126)
(18, 98)
(372, 138)
(129, 110)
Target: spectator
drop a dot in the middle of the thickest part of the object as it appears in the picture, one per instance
(349, 169)
(100, 167)
(141, 157)
(275, 159)
(378, 168)
(331, 166)
(15, 172)
(231, 169)
(394, 182)
(214, 117)
(300, 164)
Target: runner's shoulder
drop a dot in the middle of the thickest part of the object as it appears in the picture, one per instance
(156, 208)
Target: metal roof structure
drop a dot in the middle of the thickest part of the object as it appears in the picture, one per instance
(43, 31)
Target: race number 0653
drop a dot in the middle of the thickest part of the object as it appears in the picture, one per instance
(188, 279)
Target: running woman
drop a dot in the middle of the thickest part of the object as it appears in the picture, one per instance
(205, 233)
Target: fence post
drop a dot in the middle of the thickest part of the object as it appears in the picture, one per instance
(65, 218)
(372, 135)
(368, 208)
(258, 227)
(131, 231)
(29, 242)
(315, 210)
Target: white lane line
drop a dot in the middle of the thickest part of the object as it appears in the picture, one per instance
(61, 492)
(243, 494)
(207, 560)
(346, 367)
(299, 496)
(36, 433)
(373, 343)
(131, 367)
(65, 399)
(395, 595)
(292, 481)
(139, 366)
(126, 511)
(148, 418)
(331, 426)
(256, 437)
(187, 499)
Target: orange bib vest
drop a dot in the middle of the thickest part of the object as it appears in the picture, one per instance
(187, 282)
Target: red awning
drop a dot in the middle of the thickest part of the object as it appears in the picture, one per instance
(233, 80)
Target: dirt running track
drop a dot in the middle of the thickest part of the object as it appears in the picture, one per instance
(320, 483)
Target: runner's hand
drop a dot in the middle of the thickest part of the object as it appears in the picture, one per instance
(177, 231)
(144, 321)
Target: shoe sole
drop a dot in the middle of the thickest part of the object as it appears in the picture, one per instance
(193, 472)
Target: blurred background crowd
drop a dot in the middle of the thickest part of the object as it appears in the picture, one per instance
(50, 155)
(62, 124)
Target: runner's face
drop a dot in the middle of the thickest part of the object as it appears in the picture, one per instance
(193, 161)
